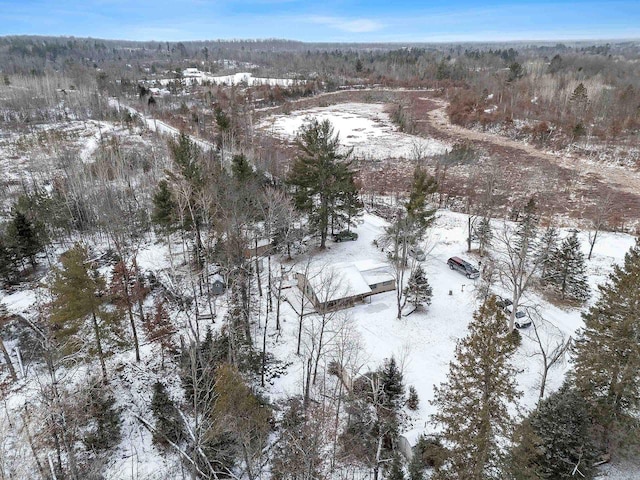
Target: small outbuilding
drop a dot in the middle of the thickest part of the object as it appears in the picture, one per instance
(217, 284)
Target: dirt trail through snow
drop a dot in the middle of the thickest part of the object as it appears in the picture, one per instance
(621, 178)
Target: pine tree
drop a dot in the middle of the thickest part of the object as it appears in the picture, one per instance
(419, 213)
(8, 268)
(484, 235)
(320, 175)
(418, 292)
(579, 95)
(164, 208)
(78, 293)
(566, 270)
(413, 401)
(546, 248)
(391, 381)
(241, 168)
(169, 426)
(300, 450)
(607, 352)
(396, 471)
(24, 238)
(104, 419)
(473, 404)
(555, 439)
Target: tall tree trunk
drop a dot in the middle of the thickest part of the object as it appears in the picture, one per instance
(96, 331)
(7, 360)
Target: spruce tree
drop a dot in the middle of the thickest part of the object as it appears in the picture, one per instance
(241, 168)
(391, 380)
(546, 248)
(396, 472)
(555, 439)
(169, 427)
(164, 212)
(607, 352)
(104, 419)
(8, 269)
(484, 235)
(473, 405)
(25, 240)
(418, 291)
(566, 271)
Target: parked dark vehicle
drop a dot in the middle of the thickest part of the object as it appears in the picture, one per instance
(345, 235)
(464, 267)
(522, 320)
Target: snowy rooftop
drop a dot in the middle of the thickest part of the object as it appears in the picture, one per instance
(346, 279)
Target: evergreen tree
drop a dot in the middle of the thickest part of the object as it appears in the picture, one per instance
(241, 168)
(169, 427)
(566, 270)
(78, 293)
(391, 380)
(418, 292)
(473, 404)
(164, 208)
(555, 439)
(300, 450)
(527, 231)
(320, 175)
(413, 401)
(579, 95)
(8, 268)
(484, 235)
(104, 419)
(375, 416)
(546, 248)
(396, 471)
(607, 353)
(428, 452)
(420, 215)
(25, 240)
(348, 206)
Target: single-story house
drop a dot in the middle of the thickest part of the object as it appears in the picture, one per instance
(342, 285)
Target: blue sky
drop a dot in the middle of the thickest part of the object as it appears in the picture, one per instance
(324, 20)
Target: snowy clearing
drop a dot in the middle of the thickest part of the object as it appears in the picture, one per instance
(366, 127)
(192, 76)
(424, 342)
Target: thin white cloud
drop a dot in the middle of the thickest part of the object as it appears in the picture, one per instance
(351, 25)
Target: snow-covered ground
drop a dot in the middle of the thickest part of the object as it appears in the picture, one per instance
(192, 76)
(366, 127)
(424, 342)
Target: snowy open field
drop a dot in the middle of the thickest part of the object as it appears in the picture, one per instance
(366, 127)
(424, 342)
(194, 76)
